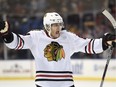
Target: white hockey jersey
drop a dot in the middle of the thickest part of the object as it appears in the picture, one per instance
(52, 56)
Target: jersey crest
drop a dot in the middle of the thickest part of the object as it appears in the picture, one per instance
(54, 51)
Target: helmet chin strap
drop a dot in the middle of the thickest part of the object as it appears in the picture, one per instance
(49, 33)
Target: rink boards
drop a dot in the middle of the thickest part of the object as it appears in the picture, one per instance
(83, 69)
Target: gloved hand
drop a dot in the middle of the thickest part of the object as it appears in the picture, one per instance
(109, 40)
(3, 28)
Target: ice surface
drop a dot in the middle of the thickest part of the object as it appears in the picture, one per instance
(30, 83)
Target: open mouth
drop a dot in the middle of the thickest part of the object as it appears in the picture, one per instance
(57, 32)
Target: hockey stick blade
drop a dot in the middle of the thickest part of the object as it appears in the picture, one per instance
(110, 18)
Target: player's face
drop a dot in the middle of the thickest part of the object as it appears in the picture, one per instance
(55, 30)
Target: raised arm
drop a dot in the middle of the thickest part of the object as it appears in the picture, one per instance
(12, 40)
(92, 46)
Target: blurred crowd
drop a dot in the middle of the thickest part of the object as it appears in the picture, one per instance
(82, 17)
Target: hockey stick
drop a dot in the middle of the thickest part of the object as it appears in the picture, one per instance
(113, 22)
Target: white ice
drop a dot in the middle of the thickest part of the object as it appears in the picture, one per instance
(30, 83)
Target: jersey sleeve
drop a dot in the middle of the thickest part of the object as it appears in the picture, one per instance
(89, 46)
(21, 42)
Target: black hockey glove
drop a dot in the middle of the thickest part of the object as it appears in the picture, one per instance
(3, 28)
(109, 40)
(4, 32)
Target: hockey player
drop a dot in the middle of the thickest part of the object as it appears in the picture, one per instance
(52, 48)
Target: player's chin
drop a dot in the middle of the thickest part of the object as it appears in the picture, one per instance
(56, 36)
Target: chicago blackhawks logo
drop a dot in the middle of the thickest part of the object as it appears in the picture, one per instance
(54, 52)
